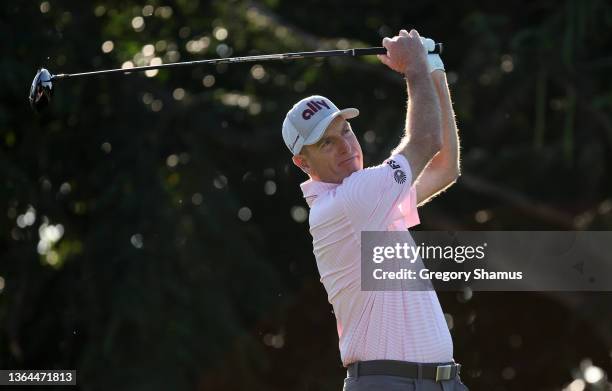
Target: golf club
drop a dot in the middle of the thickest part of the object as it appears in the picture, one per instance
(42, 85)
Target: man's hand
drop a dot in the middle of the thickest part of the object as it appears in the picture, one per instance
(405, 53)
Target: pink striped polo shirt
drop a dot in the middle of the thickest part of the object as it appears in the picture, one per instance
(393, 325)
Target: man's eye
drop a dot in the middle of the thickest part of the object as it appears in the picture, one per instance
(347, 130)
(324, 143)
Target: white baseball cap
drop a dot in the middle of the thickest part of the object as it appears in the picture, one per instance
(308, 119)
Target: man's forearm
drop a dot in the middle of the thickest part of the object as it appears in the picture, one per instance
(423, 115)
(448, 157)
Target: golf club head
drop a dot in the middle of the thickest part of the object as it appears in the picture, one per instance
(41, 90)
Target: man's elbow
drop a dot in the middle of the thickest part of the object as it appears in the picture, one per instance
(449, 174)
(434, 145)
(457, 166)
(453, 174)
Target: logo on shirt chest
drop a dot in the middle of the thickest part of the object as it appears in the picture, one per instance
(399, 175)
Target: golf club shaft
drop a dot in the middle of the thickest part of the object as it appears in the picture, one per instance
(229, 60)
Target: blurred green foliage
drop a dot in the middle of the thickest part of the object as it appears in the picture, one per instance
(153, 232)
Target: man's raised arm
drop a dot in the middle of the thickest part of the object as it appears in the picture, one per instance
(422, 138)
(444, 168)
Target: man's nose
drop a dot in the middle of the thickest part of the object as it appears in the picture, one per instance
(344, 147)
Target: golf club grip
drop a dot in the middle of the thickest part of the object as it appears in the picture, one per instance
(382, 50)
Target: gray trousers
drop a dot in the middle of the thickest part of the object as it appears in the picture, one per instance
(396, 383)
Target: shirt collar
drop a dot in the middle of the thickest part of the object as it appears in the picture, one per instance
(313, 189)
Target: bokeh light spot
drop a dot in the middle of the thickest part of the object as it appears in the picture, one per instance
(45, 7)
(178, 94)
(148, 50)
(258, 72)
(147, 10)
(299, 214)
(593, 374)
(220, 33)
(245, 214)
(208, 81)
(197, 199)
(220, 182)
(99, 10)
(157, 105)
(137, 241)
(108, 46)
(138, 23)
(270, 187)
(172, 161)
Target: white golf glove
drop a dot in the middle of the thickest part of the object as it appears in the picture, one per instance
(433, 60)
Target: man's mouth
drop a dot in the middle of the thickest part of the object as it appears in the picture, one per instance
(348, 160)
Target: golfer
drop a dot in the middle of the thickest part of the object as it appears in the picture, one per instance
(388, 340)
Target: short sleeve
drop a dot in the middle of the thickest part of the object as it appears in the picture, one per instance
(381, 197)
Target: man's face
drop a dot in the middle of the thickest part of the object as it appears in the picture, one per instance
(336, 156)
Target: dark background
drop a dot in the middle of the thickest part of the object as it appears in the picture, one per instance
(153, 235)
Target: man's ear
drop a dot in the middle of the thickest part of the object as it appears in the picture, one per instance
(302, 163)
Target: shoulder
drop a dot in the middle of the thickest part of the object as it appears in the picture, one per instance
(394, 170)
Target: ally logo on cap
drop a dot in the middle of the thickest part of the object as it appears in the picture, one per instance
(313, 107)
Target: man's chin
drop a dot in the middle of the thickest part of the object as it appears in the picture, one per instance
(348, 171)
(356, 166)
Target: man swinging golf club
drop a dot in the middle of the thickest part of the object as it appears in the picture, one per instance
(389, 340)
